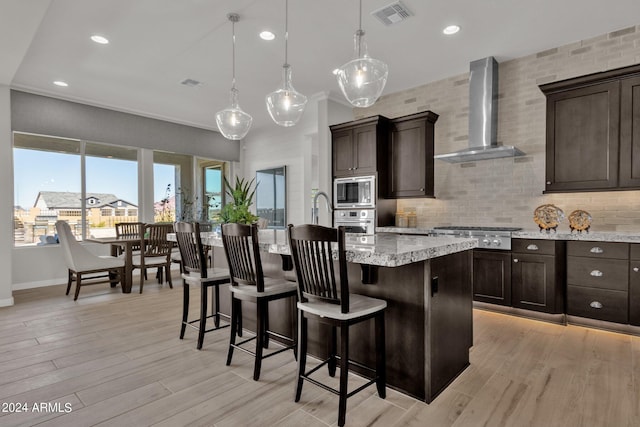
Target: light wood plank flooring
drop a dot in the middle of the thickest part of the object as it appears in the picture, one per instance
(116, 360)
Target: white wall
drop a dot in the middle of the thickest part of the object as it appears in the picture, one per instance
(297, 148)
(6, 194)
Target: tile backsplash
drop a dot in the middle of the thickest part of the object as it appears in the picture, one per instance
(505, 192)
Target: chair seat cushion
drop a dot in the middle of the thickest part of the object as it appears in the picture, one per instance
(359, 306)
(149, 261)
(271, 287)
(213, 275)
(103, 262)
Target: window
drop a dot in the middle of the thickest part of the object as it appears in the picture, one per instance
(173, 187)
(213, 195)
(48, 175)
(271, 196)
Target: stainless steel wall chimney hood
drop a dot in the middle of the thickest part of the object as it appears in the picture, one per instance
(483, 117)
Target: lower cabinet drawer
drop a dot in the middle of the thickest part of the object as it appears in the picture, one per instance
(610, 274)
(601, 304)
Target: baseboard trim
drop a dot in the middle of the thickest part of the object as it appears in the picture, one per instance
(6, 302)
(559, 318)
(39, 284)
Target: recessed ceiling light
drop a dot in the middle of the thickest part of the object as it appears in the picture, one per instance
(61, 83)
(267, 35)
(99, 39)
(451, 29)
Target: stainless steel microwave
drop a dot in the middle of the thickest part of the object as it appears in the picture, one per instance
(354, 192)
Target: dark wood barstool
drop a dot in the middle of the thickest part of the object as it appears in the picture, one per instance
(320, 298)
(249, 284)
(194, 264)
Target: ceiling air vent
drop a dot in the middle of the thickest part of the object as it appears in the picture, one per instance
(392, 13)
(190, 82)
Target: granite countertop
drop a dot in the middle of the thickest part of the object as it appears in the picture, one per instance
(386, 250)
(593, 236)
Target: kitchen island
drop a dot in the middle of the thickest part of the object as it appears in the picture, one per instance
(426, 282)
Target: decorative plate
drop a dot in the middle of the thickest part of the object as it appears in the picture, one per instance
(579, 221)
(548, 217)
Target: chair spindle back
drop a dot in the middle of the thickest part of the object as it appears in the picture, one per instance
(243, 254)
(191, 249)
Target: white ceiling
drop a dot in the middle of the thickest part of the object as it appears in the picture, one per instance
(155, 44)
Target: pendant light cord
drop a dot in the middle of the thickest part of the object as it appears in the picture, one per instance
(360, 32)
(233, 54)
(286, 32)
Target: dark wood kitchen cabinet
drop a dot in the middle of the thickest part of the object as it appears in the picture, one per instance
(598, 280)
(492, 276)
(537, 275)
(634, 285)
(593, 132)
(411, 156)
(358, 146)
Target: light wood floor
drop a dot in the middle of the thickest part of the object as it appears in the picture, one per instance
(116, 360)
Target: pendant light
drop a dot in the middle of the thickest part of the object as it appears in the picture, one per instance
(363, 78)
(233, 123)
(286, 105)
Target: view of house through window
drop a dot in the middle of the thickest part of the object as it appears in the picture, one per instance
(48, 186)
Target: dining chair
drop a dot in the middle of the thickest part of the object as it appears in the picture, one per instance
(84, 267)
(177, 258)
(248, 283)
(320, 298)
(196, 272)
(128, 229)
(155, 251)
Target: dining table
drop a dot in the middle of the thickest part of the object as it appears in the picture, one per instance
(126, 242)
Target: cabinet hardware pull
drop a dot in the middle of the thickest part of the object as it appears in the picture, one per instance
(596, 304)
(515, 260)
(636, 269)
(596, 273)
(548, 182)
(422, 189)
(532, 247)
(596, 250)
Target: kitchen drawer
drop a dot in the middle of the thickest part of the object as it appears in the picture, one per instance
(634, 253)
(598, 249)
(540, 247)
(604, 274)
(600, 304)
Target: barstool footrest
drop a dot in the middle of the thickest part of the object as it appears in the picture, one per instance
(335, 391)
(239, 345)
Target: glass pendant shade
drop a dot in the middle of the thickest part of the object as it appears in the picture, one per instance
(233, 123)
(286, 105)
(362, 79)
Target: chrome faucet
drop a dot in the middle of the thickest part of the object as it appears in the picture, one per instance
(314, 211)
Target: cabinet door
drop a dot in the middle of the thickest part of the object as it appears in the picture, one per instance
(411, 159)
(342, 148)
(634, 293)
(492, 276)
(533, 282)
(630, 133)
(582, 138)
(364, 144)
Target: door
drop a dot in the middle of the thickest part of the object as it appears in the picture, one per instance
(364, 140)
(492, 276)
(342, 148)
(630, 132)
(582, 138)
(533, 282)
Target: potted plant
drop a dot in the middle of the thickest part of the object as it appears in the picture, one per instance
(241, 198)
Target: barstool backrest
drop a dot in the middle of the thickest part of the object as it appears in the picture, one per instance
(312, 252)
(191, 249)
(243, 254)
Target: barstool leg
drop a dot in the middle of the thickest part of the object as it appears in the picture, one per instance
(70, 275)
(381, 362)
(234, 325)
(215, 305)
(203, 315)
(302, 352)
(265, 342)
(185, 308)
(344, 373)
(332, 350)
(260, 333)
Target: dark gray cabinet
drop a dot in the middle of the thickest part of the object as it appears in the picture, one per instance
(537, 275)
(593, 132)
(357, 147)
(634, 285)
(598, 280)
(411, 156)
(492, 276)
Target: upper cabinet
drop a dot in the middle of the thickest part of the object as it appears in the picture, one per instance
(410, 156)
(593, 132)
(357, 146)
